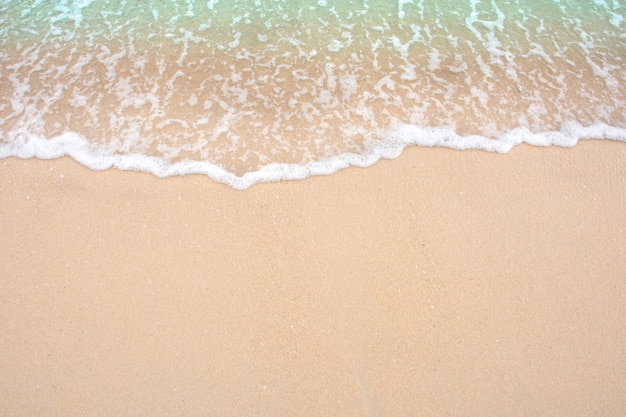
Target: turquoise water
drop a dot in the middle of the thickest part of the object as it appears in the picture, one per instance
(249, 91)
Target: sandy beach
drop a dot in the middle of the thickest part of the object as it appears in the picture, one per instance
(441, 283)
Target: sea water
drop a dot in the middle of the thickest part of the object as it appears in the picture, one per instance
(265, 90)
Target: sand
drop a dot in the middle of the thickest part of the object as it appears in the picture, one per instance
(441, 283)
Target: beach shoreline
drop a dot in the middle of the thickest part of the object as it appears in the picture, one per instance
(439, 283)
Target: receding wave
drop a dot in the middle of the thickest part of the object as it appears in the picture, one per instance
(249, 91)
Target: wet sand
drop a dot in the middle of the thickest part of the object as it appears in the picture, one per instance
(440, 283)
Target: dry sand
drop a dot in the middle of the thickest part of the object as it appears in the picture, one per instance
(440, 283)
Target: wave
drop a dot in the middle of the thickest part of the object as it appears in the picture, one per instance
(397, 138)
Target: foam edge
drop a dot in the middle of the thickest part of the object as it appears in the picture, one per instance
(394, 141)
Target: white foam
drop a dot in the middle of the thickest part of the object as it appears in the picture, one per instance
(395, 140)
(401, 3)
(349, 86)
(433, 60)
(26, 11)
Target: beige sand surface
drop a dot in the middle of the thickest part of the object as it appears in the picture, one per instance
(440, 283)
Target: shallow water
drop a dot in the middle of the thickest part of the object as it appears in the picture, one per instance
(251, 90)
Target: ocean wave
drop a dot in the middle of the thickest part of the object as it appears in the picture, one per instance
(396, 139)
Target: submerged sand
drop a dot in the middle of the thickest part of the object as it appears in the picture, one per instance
(440, 283)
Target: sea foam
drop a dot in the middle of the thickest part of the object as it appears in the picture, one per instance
(397, 138)
(247, 92)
